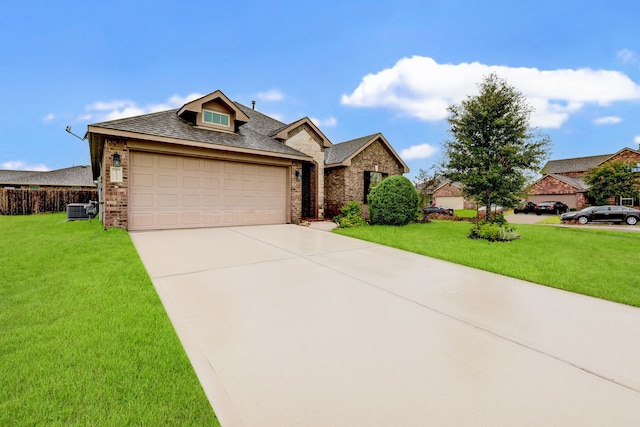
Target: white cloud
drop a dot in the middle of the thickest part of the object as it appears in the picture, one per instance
(118, 109)
(329, 122)
(270, 95)
(421, 151)
(23, 166)
(420, 87)
(637, 139)
(49, 118)
(608, 120)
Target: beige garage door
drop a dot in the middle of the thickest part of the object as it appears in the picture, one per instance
(169, 191)
(451, 202)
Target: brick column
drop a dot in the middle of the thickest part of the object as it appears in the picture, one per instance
(296, 192)
(116, 194)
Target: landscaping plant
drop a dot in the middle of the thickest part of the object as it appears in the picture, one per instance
(350, 216)
(394, 201)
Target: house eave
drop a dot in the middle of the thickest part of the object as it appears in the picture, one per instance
(93, 130)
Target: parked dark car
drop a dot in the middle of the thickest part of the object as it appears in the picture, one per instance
(550, 208)
(437, 209)
(604, 214)
(525, 208)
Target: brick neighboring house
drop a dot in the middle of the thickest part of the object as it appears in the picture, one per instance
(563, 180)
(215, 162)
(449, 194)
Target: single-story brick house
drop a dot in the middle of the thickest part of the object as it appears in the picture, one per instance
(72, 178)
(215, 162)
(563, 180)
(449, 194)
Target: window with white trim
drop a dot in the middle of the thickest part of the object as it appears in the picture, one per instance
(215, 118)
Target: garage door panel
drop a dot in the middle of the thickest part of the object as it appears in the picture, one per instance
(167, 181)
(167, 200)
(167, 162)
(142, 179)
(191, 182)
(180, 192)
(142, 200)
(167, 219)
(212, 183)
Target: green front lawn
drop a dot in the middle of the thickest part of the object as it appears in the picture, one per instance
(599, 263)
(84, 337)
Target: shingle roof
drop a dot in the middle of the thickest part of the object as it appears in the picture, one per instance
(338, 153)
(579, 164)
(261, 123)
(167, 124)
(79, 176)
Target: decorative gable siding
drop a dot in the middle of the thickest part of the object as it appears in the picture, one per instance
(347, 183)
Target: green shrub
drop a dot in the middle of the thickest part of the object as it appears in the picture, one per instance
(493, 231)
(350, 216)
(351, 221)
(394, 201)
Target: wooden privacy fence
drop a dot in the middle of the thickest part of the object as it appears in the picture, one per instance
(27, 202)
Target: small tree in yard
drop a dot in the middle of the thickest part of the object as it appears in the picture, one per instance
(394, 201)
(426, 183)
(492, 148)
(612, 180)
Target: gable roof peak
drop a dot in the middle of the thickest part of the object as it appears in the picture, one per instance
(282, 133)
(341, 154)
(195, 106)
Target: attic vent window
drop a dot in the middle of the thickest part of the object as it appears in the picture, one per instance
(216, 118)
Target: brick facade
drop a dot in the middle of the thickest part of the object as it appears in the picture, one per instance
(551, 187)
(304, 139)
(343, 184)
(296, 193)
(115, 194)
(626, 155)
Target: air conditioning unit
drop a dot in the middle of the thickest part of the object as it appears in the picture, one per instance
(76, 211)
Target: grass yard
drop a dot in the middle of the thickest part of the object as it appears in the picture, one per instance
(85, 339)
(599, 263)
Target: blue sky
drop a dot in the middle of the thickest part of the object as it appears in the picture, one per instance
(354, 67)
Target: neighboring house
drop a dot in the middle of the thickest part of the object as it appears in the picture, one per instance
(449, 194)
(214, 162)
(73, 178)
(563, 180)
(33, 192)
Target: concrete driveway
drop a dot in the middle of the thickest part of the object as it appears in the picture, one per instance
(288, 325)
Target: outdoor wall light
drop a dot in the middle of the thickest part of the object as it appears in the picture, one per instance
(298, 175)
(116, 160)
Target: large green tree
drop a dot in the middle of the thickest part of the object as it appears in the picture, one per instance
(492, 149)
(612, 180)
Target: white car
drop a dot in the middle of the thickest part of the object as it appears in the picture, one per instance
(494, 209)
